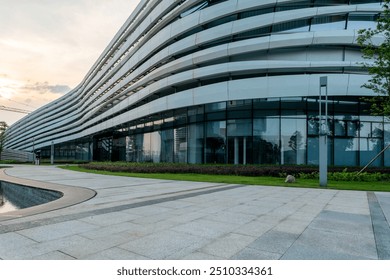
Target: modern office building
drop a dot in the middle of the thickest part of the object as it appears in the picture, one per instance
(220, 81)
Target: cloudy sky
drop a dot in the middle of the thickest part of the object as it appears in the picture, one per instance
(48, 46)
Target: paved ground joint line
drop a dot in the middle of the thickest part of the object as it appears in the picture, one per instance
(380, 227)
(64, 218)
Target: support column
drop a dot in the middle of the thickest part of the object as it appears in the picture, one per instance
(236, 150)
(52, 153)
(244, 151)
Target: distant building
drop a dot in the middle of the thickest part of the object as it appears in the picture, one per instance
(233, 81)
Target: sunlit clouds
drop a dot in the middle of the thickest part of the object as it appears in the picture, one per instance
(47, 47)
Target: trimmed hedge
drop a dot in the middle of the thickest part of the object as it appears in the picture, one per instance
(240, 170)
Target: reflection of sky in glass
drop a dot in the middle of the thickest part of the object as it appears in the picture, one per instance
(5, 205)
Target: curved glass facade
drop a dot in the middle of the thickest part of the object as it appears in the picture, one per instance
(254, 131)
(219, 81)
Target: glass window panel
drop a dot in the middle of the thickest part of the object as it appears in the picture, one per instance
(302, 25)
(293, 137)
(153, 142)
(386, 138)
(313, 151)
(365, 129)
(167, 145)
(266, 141)
(362, 20)
(345, 151)
(340, 128)
(196, 114)
(377, 130)
(212, 107)
(236, 114)
(352, 128)
(293, 107)
(180, 147)
(239, 127)
(369, 148)
(346, 109)
(216, 142)
(293, 5)
(195, 143)
(216, 116)
(354, 2)
(313, 126)
(256, 12)
(325, 23)
(240, 105)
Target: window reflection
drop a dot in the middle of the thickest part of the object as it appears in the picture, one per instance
(268, 133)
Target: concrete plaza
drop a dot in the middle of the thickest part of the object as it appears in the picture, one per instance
(133, 218)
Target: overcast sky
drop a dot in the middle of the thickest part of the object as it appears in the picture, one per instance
(48, 46)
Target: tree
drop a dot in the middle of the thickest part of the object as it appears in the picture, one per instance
(375, 45)
(3, 128)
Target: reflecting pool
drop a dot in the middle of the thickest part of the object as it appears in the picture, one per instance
(14, 196)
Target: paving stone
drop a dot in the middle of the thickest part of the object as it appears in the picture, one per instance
(112, 218)
(384, 201)
(89, 247)
(115, 253)
(322, 245)
(343, 222)
(228, 245)
(274, 242)
(254, 254)
(205, 228)
(12, 241)
(135, 218)
(55, 255)
(200, 256)
(166, 245)
(56, 231)
(231, 217)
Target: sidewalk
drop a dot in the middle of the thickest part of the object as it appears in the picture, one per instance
(133, 218)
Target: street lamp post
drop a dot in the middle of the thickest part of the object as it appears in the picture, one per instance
(323, 133)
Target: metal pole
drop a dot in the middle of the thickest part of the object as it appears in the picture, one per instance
(371, 161)
(323, 134)
(52, 153)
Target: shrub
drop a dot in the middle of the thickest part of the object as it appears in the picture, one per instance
(304, 172)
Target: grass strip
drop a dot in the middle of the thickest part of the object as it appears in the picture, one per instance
(247, 180)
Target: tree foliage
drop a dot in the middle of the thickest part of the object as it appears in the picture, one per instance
(375, 45)
(3, 128)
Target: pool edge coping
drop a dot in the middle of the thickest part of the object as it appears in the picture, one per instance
(71, 195)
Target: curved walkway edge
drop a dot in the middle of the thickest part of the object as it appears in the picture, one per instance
(70, 196)
(136, 218)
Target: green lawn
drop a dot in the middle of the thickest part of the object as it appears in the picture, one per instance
(246, 180)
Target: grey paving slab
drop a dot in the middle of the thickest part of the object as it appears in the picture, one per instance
(274, 241)
(55, 255)
(12, 241)
(315, 244)
(200, 256)
(384, 201)
(380, 227)
(228, 245)
(343, 222)
(89, 247)
(166, 245)
(33, 251)
(115, 253)
(233, 218)
(293, 225)
(57, 230)
(113, 218)
(205, 228)
(132, 230)
(133, 218)
(254, 254)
